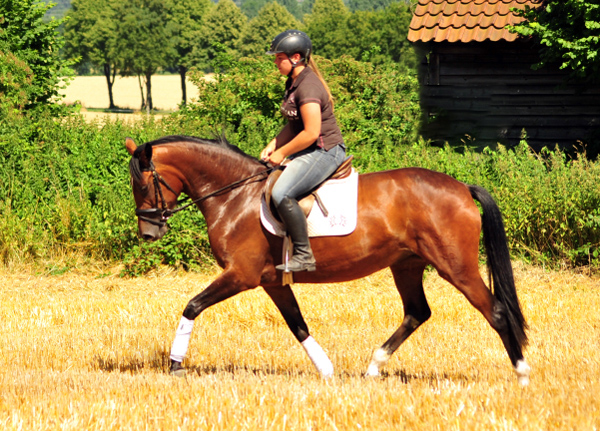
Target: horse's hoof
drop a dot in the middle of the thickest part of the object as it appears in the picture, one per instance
(372, 372)
(177, 370)
(181, 372)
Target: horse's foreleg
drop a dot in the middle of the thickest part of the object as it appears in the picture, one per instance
(284, 299)
(408, 277)
(222, 288)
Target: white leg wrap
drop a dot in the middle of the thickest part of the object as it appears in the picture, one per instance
(318, 356)
(380, 358)
(523, 370)
(182, 339)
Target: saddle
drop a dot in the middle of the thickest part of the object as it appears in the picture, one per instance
(306, 202)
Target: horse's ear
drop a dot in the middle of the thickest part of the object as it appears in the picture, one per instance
(148, 152)
(145, 156)
(130, 145)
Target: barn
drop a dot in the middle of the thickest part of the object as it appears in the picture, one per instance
(478, 87)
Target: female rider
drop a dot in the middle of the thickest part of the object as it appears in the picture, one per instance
(311, 140)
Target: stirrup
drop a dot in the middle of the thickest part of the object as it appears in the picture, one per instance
(297, 265)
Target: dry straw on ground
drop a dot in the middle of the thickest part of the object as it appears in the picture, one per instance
(90, 352)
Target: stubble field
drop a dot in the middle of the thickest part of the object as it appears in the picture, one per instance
(89, 351)
(92, 93)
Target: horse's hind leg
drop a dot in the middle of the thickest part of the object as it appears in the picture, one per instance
(284, 299)
(408, 276)
(469, 282)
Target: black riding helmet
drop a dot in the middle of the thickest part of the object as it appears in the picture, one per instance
(290, 42)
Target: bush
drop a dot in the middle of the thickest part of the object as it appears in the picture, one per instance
(550, 202)
(65, 184)
(376, 106)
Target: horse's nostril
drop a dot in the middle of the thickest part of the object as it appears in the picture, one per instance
(148, 237)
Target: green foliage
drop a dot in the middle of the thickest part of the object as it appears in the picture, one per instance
(15, 84)
(569, 34)
(376, 36)
(65, 184)
(325, 26)
(251, 8)
(377, 107)
(91, 38)
(297, 8)
(66, 190)
(59, 10)
(272, 19)
(185, 246)
(550, 202)
(355, 5)
(244, 102)
(223, 30)
(141, 40)
(36, 43)
(91, 32)
(391, 36)
(188, 18)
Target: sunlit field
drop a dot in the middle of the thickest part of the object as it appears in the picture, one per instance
(91, 92)
(89, 351)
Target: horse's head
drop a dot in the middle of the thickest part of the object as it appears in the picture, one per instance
(155, 193)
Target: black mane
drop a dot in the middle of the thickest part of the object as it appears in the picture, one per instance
(134, 164)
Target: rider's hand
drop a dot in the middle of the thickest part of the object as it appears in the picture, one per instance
(276, 158)
(268, 150)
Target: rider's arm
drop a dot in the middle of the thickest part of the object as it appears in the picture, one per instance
(311, 118)
(283, 137)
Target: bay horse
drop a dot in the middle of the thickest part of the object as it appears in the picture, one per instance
(407, 219)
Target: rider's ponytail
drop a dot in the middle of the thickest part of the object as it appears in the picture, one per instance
(313, 65)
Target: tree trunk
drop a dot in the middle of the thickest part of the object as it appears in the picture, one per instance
(110, 80)
(182, 72)
(141, 92)
(149, 106)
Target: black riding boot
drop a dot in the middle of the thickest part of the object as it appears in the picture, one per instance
(295, 224)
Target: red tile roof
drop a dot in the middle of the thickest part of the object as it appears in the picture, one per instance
(465, 20)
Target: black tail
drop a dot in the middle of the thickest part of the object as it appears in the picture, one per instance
(502, 281)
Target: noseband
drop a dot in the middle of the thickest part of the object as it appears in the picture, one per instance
(164, 213)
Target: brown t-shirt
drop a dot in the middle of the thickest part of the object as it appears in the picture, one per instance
(309, 89)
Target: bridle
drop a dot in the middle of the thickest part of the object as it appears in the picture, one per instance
(164, 213)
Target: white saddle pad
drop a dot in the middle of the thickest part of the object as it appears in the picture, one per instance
(339, 197)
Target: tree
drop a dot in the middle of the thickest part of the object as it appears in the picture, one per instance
(252, 7)
(272, 19)
(296, 8)
(355, 5)
(222, 33)
(392, 25)
(91, 35)
(188, 18)
(143, 41)
(31, 44)
(15, 83)
(325, 27)
(375, 36)
(569, 34)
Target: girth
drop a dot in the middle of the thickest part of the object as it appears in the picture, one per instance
(306, 202)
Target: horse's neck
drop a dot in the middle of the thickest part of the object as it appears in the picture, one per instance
(207, 169)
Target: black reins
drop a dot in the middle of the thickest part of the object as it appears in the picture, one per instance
(164, 212)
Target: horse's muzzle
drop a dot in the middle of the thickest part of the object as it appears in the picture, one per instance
(151, 231)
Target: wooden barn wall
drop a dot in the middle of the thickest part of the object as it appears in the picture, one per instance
(484, 93)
